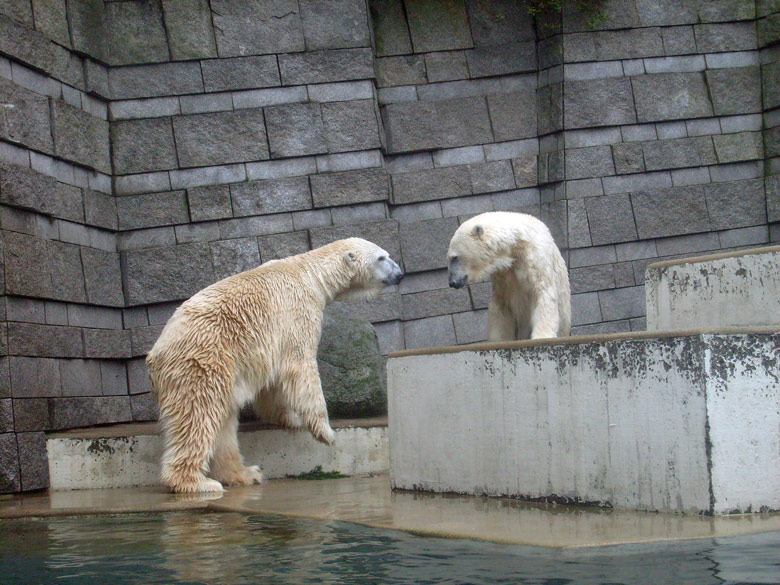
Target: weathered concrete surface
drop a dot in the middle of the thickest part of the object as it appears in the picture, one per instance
(681, 422)
(739, 289)
(129, 455)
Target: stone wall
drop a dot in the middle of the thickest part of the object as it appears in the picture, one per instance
(150, 147)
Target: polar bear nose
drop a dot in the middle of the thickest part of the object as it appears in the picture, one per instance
(458, 281)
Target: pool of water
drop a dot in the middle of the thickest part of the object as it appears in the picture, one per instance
(233, 548)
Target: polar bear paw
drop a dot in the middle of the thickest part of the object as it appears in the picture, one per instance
(242, 476)
(195, 486)
(325, 435)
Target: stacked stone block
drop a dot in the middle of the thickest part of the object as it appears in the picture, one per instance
(149, 148)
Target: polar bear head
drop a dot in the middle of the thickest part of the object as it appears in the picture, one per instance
(481, 246)
(370, 269)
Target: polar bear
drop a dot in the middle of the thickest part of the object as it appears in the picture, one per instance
(252, 337)
(531, 296)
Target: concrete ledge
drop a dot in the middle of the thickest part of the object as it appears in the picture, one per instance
(677, 422)
(129, 455)
(740, 288)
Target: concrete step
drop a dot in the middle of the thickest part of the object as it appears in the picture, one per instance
(128, 455)
(672, 421)
(735, 289)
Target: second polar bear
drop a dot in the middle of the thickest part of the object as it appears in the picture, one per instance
(531, 296)
(252, 337)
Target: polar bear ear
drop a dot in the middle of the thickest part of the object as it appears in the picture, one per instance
(477, 231)
(350, 257)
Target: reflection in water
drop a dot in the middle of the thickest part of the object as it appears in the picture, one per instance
(233, 549)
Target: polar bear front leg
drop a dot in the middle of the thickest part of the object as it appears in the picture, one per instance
(501, 323)
(309, 402)
(544, 316)
(227, 465)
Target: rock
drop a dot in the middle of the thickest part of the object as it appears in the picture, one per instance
(351, 368)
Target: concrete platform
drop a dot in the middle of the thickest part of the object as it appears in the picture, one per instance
(735, 289)
(369, 501)
(128, 455)
(672, 421)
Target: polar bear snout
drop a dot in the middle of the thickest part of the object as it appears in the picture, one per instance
(457, 276)
(393, 272)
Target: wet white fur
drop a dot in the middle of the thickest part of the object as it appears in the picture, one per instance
(251, 337)
(531, 296)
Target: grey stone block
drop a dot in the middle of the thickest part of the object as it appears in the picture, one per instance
(257, 27)
(390, 336)
(188, 25)
(66, 272)
(749, 122)
(578, 228)
(431, 184)
(632, 43)
(106, 343)
(328, 25)
(50, 19)
(383, 308)
(583, 163)
(144, 407)
(80, 378)
(23, 187)
(680, 152)
(220, 138)
(163, 79)
(392, 95)
(140, 239)
(597, 70)
(10, 478)
(666, 130)
(142, 341)
(207, 176)
(736, 204)
(736, 171)
(100, 209)
(458, 89)
(622, 303)
(465, 206)
(208, 203)
(32, 339)
(295, 130)
(271, 196)
(592, 278)
(240, 73)
(502, 59)
(633, 67)
(436, 302)
(201, 232)
(113, 378)
(452, 30)
(454, 156)
(22, 261)
(690, 244)
(28, 414)
(417, 211)
(491, 176)
(160, 314)
(349, 187)
(156, 209)
(383, 233)
(33, 377)
(137, 31)
(390, 29)
(166, 274)
(470, 327)
(310, 219)
(430, 332)
(628, 158)
(85, 411)
(326, 66)
(348, 161)
(142, 145)
(585, 309)
(424, 244)
(652, 94)
(678, 40)
(443, 124)
(33, 463)
(495, 23)
(341, 92)
(282, 245)
(401, 70)
(694, 176)
(513, 115)
(720, 37)
(592, 256)
(255, 226)
(135, 317)
(25, 117)
(750, 236)
(25, 310)
(257, 98)
(675, 64)
(102, 277)
(638, 182)
(144, 183)
(725, 100)
(738, 147)
(234, 256)
(525, 170)
(350, 125)
(638, 132)
(772, 185)
(513, 149)
(446, 66)
(599, 102)
(200, 104)
(138, 377)
(423, 281)
(277, 169)
(670, 212)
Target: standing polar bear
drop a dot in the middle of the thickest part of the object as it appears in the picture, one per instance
(252, 337)
(531, 297)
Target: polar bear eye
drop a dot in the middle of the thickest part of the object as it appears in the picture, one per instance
(382, 258)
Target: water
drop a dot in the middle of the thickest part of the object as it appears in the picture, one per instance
(232, 548)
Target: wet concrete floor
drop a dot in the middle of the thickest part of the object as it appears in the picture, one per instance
(370, 501)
